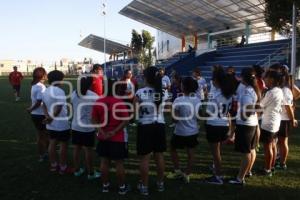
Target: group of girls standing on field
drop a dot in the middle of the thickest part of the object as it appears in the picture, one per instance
(274, 106)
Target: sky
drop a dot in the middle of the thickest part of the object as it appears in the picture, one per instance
(49, 30)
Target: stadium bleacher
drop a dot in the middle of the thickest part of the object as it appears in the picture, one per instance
(264, 54)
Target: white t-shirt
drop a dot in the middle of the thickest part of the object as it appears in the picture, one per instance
(287, 100)
(240, 90)
(129, 86)
(148, 111)
(201, 86)
(247, 97)
(218, 108)
(271, 105)
(54, 96)
(212, 90)
(37, 91)
(186, 109)
(82, 114)
(165, 82)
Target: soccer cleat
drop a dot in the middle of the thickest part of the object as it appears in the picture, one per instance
(143, 189)
(124, 189)
(177, 174)
(281, 167)
(105, 188)
(132, 124)
(95, 175)
(160, 186)
(268, 173)
(79, 172)
(273, 170)
(236, 181)
(249, 174)
(216, 180)
(186, 178)
(66, 170)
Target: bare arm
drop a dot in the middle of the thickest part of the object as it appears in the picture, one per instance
(35, 106)
(291, 115)
(296, 92)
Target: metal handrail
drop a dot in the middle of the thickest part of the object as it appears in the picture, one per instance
(274, 54)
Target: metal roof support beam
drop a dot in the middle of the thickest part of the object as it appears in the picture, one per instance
(227, 31)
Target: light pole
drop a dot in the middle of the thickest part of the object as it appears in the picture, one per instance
(103, 12)
(294, 43)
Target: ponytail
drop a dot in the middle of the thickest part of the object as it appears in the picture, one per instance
(85, 84)
(248, 75)
(153, 78)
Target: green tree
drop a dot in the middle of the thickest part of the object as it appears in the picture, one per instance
(278, 14)
(142, 46)
(136, 43)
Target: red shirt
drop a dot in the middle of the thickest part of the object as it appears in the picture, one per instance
(97, 85)
(108, 117)
(15, 78)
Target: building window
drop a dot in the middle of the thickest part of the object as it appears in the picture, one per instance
(162, 46)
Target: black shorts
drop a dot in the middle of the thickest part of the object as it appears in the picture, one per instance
(38, 122)
(83, 138)
(112, 150)
(285, 127)
(266, 136)
(215, 134)
(181, 142)
(151, 138)
(245, 138)
(16, 88)
(61, 136)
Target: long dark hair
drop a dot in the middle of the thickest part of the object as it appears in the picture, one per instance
(259, 71)
(85, 84)
(248, 75)
(225, 82)
(190, 85)
(153, 79)
(38, 74)
(286, 78)
(276, 76)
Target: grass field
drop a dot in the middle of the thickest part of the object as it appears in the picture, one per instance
(23, 177)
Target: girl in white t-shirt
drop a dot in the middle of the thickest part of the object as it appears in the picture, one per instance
(185, 112)
(271, 118)
(57, 122)
(246, 124)
(151, 136)
(202, 86)
(287, 119)
(83, 132)
(36, 111)
(218, 122)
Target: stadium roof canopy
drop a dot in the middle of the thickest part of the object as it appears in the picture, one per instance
(97, 43)
(184, 17)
